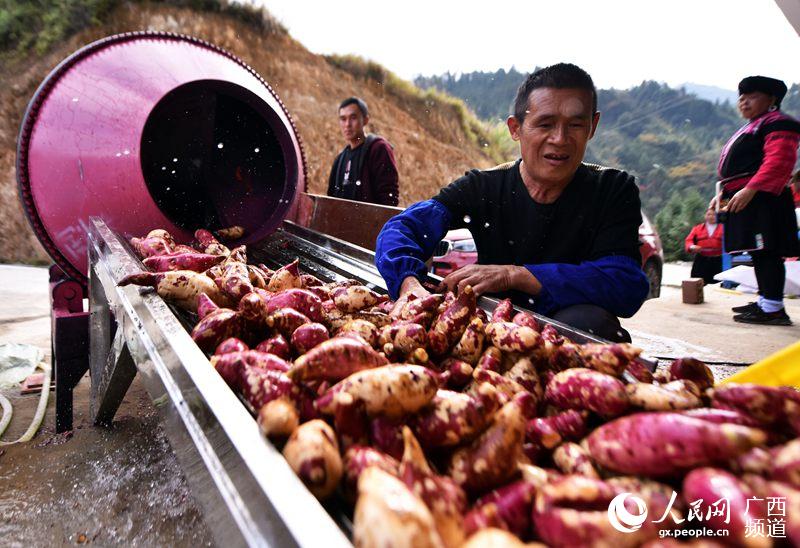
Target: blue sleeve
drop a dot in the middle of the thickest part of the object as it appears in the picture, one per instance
(407, 240)
(615, 283)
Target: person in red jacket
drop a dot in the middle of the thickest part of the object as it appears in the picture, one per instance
(365, 170)
(755, 167)
(705, 241)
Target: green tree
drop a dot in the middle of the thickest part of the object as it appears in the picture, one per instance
(683, 210)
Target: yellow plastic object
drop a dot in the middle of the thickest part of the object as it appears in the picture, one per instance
(780, 369)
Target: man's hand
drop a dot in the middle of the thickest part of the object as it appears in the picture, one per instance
(410, 286)
(740, 200)
(491, 278)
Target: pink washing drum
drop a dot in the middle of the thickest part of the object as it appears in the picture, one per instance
(155, 130)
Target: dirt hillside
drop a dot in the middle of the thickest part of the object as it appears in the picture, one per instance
(431, 143)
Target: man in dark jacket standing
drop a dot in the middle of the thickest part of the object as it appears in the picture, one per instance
(365, 170)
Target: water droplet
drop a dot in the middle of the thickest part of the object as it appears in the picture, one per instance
(358, 183)
(257, 149)
(467, 219)
(390, 195)
(163, 168)
(119, 154)
(74, 99)
(168, 188)
(485, 225)
(219, 145)
(510, 242)
(173, 172)
(424, 235)
(530, 301)
(126, 151)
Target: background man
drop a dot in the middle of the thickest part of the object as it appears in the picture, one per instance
(557, 235)
(365, 170)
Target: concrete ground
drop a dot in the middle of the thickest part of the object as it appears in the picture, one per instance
(123, 485)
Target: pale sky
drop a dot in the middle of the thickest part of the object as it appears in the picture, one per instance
(619, 42)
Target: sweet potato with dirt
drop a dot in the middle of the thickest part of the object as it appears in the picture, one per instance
(313, 454)
(506, 388)
(360, 457)
(763, 403)
(335, 359)
(722, 416)
(197, 262)
(392, 390)
(449, 326)
(786, 464)
(277, 345)
(711, 485)
(150, 247)
(231, 366)
(485, 463)
(459, 373)
(524, 373)
(257, 277)
(508, 508)
(163, 234)
(404, 338)
(510, 337)
(673, 396)
(205, 305)
(278, 418)
(309, 335)
(350, 422)
(301, 300)
(587, 389)
(470, 346)
(355, 298)
(229, 345)
(209, 244)
(389, 514)
(286, 277)
(253, 310)
(665, 444)
(639, 371)
(231, 232)
(453, 418)
(566, 356)
(571, 458)
(386, 435)
(181, 287)
(235, 280)
(526, 319)
(548, 432)
(366, 330)
(491, 360)
(443, 497)
(425, 306)
(503, 311)
(693, 370)
(611, 359)
(216, 327)
(286, 320)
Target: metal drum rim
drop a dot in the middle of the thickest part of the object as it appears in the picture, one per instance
(43, 91)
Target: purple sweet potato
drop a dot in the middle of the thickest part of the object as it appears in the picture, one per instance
(355, 298)
(308, 336)
(764, 403)
(548, 432)
(261, 386)
(198, 262)
(257, 277)
(495, 537)
(506, 388)
(231, 366)
(491, 360)
(586, 389)
(508, 508)
(665, 444)
(449, 326)
(786, 464)
(335, 359)
(313, 454)
(426, 306)
(485, 463)
(278, 418)
(526, 319)
(503, 311)
(524, 373)
(366, 330)
(350, 422)
(286, 320)
(566, 356)
(711, 485)
(163, 234)
(150, 247)
(285, 278)
(209, 244)
(721, 416)
(358, 458)
(403, 338)
(391, 390)
(309, 280)
(693, 370)
(639, 371)
(389, 514)
(611, 359)
(470, 346)
(386, 435)
(205, 305)
(673, 396)
(300, 300)
(181, 287)
(231, 344)
(253, 310)
(453, 418)
(277, 345)
(571, 458)
(216, 327)
(756, 461)
(459, 373)
(510, 337)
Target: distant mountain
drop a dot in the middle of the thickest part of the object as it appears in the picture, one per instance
(712, 93)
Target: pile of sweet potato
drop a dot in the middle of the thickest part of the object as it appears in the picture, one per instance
(447, 426)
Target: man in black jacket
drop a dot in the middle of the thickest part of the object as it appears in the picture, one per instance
(365, 170)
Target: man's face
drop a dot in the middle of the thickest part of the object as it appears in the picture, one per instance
(555, 132)
(352, 122)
